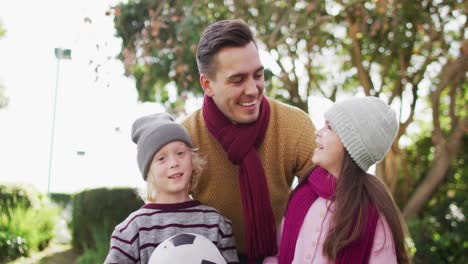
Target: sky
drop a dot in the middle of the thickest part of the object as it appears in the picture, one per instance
(91, 146)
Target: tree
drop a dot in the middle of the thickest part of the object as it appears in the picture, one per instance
(413, 54)
(396, 48)
(164, 34)
(439, 234)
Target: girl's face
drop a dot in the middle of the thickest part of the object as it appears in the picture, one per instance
(330, 151)
(171, 170)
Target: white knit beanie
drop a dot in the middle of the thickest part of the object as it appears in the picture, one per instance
(366, 126)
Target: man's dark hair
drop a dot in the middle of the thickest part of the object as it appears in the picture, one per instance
(224, 33)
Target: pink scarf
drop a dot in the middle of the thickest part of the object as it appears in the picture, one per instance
(322, 184)
(241, 142)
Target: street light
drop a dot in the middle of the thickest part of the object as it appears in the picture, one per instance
(60, 54)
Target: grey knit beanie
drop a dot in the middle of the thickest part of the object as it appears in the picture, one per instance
(153, 132)
(366, 126)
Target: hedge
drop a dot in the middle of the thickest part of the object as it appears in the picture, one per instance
(100, 209)
(62, 199)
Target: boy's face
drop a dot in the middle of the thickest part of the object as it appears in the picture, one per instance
(171, 169)
(237, 85)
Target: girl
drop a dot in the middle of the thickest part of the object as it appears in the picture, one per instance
(171, 167)
(339, 213)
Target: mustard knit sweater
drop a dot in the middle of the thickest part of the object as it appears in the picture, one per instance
(286, 152)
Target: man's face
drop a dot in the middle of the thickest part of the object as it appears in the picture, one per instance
(237, 84)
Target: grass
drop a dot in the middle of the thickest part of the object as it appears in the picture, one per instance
(53, 254)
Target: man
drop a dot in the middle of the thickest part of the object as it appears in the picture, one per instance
(254, 145)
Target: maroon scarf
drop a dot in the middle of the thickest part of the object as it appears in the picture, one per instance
(322, 184)
(240, 141)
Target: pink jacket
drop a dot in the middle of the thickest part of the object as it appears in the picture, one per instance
(314, 232)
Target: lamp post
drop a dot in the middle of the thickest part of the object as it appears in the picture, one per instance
(59, 55)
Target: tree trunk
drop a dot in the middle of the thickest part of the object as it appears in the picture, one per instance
(387, 170)
(435, 176)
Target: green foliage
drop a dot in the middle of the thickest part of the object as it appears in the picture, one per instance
(26, 222)
(440, 234)
(12, 246)
(98, 252)
(16, 195)
(165, 45)
(159, 41)
(391, 42)
(62, 199)
(100, 209)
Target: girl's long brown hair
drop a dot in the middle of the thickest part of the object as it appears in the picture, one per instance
(355, 190)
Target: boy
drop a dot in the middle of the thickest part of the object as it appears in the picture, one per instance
(171, 166)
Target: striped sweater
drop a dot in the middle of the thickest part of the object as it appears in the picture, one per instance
(134, 240)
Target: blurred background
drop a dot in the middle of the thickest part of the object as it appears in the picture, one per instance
(74, 75)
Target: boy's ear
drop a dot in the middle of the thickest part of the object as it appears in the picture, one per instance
(206, 84)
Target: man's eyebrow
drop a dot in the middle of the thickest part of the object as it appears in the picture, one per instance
(261, 68)
(237, 75)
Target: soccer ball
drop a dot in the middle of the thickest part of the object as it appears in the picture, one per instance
(186, 248)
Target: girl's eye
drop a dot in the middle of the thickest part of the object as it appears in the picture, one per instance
(162, 158)
(180, 153)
